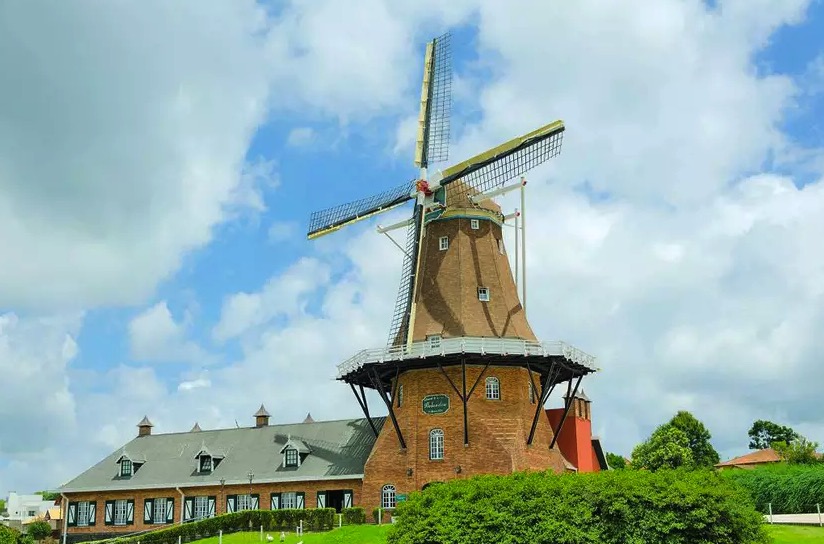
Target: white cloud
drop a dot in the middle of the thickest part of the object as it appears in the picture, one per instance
(300, 136)
(282, 231)
(154, 335)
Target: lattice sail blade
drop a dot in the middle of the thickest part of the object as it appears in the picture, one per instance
(492, 168)
(402, 317)
(331, 219)
(436, 103)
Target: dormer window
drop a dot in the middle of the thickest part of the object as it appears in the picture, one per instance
(483, 294)
(443, 243)
(291, 457)
(205, 463)
(128, 466)
(125, 467)
(294, 452)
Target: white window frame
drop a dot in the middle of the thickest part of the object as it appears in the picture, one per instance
(124, 463)
(243, 502)
(159, 510)
(483, 294)
(290, 457)
(443, 243)
(206, 463)
(120, 509)
(289, 500)
(200, 507)
(388, 496)
(436, 445)
(83, 513)
(474, 224)
(493, 388)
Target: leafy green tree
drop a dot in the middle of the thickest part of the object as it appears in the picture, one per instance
(49, 496)
(763, 433)
(39, 530)
(667, 447)
(2, 506)
(703, 454)
(800, 451)
(8, 535)
(616, 461)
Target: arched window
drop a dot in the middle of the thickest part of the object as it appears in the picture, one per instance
(493, 388)
(388, 496)
(436, 444)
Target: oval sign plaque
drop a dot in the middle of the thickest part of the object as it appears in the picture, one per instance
(435, 404)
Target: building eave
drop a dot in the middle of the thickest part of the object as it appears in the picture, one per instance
(186, 485)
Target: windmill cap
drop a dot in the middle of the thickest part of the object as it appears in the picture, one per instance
(262, 412)
(145, 422)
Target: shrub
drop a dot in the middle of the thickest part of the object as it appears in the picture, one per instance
(8, 535)
(354, 516)
(790, 488)
(39, 529)
(673, 506)
(314, 519)
(377, 513)
(25, 539)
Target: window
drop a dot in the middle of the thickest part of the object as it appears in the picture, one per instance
(493, 388)
(474, 224)
(289, 500)
(400, 395)
(388, 496)
(291, 457)
(125, 467)
(120, 512)
(435, 341)
(83, 513)
(443, 243)
(159, 511)
(201, 507)
(483, 294)
(436, 444)
(32, 513)
(244, 502)
(205, 463)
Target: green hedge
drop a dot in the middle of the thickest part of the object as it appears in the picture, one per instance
(353, 516)
(315, 519)
(8, 535)
(792, 489)
(627, 507)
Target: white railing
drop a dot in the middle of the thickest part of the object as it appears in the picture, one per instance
(473, 345)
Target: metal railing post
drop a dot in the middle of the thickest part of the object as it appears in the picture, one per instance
(770, 507)
(818, 507)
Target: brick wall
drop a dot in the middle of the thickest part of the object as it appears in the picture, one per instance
(498, 430)
(264, 490)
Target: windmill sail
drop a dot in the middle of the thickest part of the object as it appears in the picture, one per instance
(507, 161)
(403, 315)
(331, 219)
(436, 103)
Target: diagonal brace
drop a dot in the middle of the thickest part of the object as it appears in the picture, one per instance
(364, 406)
(376, 382)
(546, 388)
(568, 404)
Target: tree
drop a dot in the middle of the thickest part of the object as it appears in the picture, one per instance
(667, 447)
(763, 433)
(49, 496)
(799, 451)
(616, 461)
(703, 454)
(39, 530)
(2, 506)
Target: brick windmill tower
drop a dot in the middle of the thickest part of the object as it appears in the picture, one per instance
(463, 377)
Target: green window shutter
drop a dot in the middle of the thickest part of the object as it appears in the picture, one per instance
(130, 512)
(301, 500)
(274, 501)
(108, 517)
(188, 508)
(170, 510)
(231, 501)
(148, 511)
(211, 501)
(71, 515)
(92, 513)
(348, 498)
(321, 499)
(255, 502)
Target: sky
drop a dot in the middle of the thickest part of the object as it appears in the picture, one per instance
(159, 162)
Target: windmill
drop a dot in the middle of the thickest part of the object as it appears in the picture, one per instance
(471, 182)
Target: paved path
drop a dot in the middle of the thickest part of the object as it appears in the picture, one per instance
(802, 519)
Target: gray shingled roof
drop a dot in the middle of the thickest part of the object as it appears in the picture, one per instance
(339, 450)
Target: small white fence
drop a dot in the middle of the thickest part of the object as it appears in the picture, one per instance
(814, 518)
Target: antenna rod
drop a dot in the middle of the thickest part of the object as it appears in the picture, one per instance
(523, 240)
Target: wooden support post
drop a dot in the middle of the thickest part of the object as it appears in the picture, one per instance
(570, 399)
(376, 382)
(364, 407)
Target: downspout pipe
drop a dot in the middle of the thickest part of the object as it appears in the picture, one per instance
(64, 514)
(182, 504)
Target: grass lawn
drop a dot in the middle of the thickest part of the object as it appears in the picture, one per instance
(793, 534)
(352, 534)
